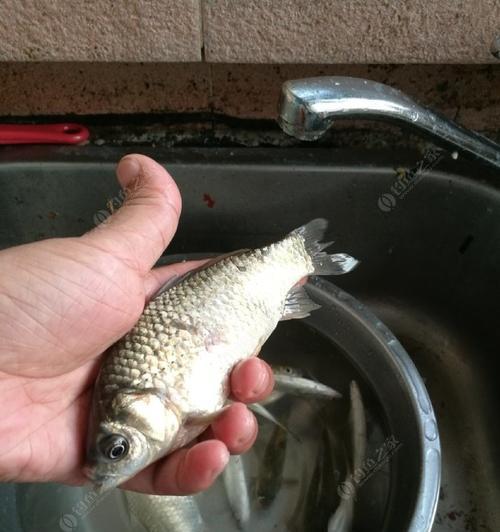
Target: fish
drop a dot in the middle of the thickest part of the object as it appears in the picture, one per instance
(167, 379)
(270, 475)
(357, 422)
(307, 420)
(342, 519)
(165, 513)
(262, 411)
(235, 484)
(276, 394)
(290, 380)
(304, 387)
(279, 369)
(172, 513)
(317, 507)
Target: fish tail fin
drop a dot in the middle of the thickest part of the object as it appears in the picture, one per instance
(324, 264)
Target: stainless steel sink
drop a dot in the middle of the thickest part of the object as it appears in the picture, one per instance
(430, 260)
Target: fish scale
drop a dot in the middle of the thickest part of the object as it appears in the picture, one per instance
(165, 380)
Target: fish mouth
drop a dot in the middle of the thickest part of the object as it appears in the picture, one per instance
(101, 486)
(102, 483)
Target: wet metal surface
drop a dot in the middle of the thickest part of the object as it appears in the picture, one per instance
(308, 108)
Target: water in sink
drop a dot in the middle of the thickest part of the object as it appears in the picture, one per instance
(52, 507)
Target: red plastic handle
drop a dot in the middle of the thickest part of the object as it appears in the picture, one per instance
(43, 133)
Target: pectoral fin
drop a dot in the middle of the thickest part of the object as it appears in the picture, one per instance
(298, 304)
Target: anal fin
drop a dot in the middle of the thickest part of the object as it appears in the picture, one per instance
(298, 304)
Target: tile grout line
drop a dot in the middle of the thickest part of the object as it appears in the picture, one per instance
(203, 56)
(202, 30)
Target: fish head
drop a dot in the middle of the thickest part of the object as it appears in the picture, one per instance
(136, 429)
(286, 370)
(117, 454)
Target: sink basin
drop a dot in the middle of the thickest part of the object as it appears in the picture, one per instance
(430, 261)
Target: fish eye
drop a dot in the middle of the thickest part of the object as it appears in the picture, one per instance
(114, 447)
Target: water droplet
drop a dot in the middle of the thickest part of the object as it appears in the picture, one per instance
(414, 116)
(423, 400)
(343, 296)
(430, 430)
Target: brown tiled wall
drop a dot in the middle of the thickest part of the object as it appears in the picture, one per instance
(100, 30)
(250, 31)
(354, 31)
(469, 93)
(104, 56)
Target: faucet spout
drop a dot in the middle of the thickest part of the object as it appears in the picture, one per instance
(308, 108)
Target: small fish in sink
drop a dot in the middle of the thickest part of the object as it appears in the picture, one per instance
(235, 484)
(167, 513)
(270, 470)
(164, 382)
(280, 370)
(342, 519)
(304, 387)
(290, 380)
(270, 475)
(182, 513)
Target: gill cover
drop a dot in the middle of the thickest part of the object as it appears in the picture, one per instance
(153, 415)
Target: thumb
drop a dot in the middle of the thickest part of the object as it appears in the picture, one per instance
(144, 225)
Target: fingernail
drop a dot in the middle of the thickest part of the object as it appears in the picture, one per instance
(128, 170)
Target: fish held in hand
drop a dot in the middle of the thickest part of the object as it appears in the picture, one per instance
(166, 380)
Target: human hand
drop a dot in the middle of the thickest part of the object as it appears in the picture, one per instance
(63, 302)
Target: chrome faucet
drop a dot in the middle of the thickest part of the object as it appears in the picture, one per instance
(308, 107)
